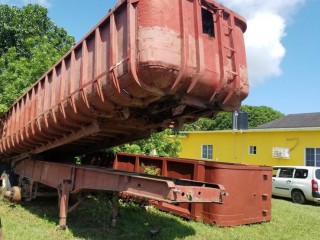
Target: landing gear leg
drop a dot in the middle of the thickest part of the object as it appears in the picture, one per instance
(64, 193)
(115, 209)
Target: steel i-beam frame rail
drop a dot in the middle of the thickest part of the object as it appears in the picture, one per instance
(71, 178)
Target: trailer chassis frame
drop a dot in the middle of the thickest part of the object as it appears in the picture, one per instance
(72, 179)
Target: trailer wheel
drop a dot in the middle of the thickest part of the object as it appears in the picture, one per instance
(298, 197)
(8, 187)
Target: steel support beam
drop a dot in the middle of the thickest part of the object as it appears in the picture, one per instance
(71, 179)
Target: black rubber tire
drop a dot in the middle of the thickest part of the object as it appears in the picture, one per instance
(298, 197)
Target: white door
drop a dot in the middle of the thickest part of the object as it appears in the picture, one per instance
(282, 184)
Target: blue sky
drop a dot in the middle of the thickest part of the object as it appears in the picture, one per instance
(282, 41)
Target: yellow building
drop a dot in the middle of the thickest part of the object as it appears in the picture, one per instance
(291, 140)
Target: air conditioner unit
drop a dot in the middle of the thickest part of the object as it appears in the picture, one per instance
(280, 152)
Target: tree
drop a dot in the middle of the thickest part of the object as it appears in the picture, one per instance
(257, 115)
(161, 142)
(222, 121)
(168, 146)
(29, 44)
(260, 115)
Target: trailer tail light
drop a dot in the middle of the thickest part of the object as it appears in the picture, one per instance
(314, 184)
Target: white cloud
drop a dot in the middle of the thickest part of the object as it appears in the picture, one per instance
(44, 3)
(267, 21)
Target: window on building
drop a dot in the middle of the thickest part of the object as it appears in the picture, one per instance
(312, 157)
(207, 151)
(252, 149)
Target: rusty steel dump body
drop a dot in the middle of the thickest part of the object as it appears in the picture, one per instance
(248, 188)
(147, 65)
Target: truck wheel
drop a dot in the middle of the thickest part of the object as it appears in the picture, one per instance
(298, 197)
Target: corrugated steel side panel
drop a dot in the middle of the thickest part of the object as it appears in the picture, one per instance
(146, 65)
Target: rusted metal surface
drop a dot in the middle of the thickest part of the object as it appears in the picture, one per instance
(147, 65)
(248, 188)
(72, 179)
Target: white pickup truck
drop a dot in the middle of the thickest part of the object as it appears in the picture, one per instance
(296, 182)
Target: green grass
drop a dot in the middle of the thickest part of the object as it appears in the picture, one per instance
(37, 220)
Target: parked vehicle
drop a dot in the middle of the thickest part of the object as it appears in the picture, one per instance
(299, 183)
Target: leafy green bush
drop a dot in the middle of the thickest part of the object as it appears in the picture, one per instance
(149, 169)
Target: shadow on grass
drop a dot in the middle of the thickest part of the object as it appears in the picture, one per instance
(308, 203)
(92, 220)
